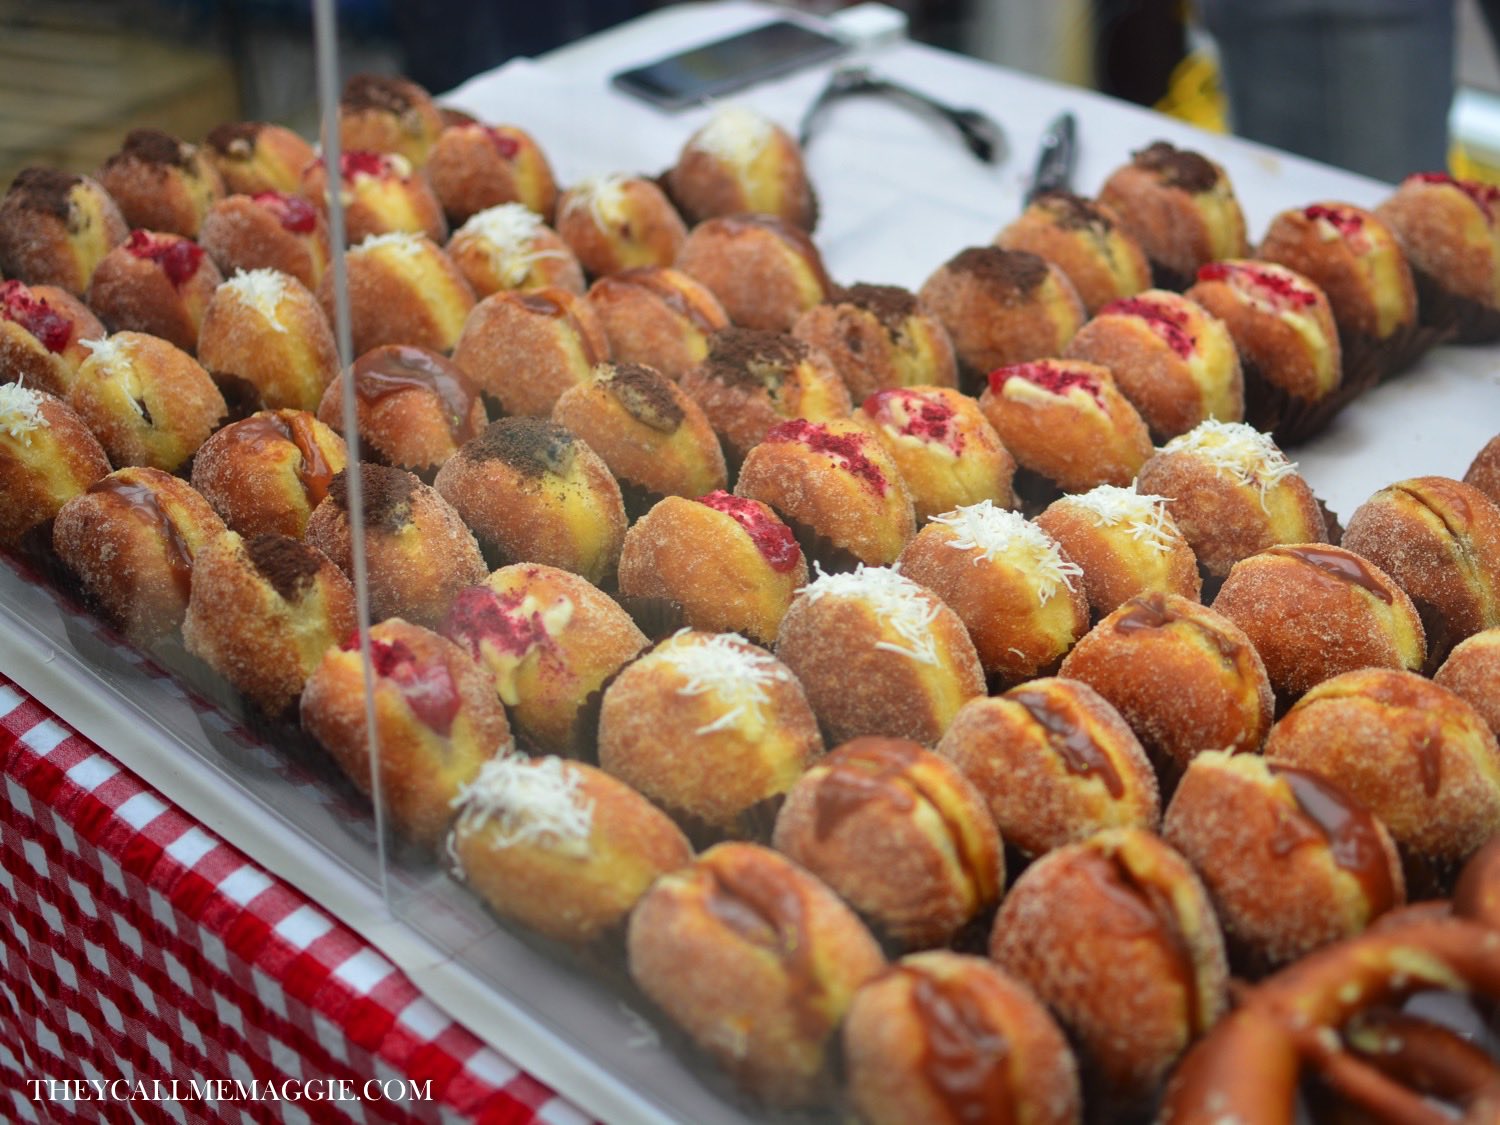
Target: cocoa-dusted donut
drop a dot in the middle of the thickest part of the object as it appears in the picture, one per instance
(550, 640)
(1440, 540)
(1117, 937)
(161, 183)
(414, 407)
(1054, 763)
(47, 457)
(509, 247)
(900, 834)
(742, 731)
(1066, 421)
(657, 316)
(742, 162)
(1472, 672)
(147, 402)
(1084, 239)
(382, 194)
(1172, 358)
(56, 227)
(879, 336)
(476, 167)
(257, 156)
(1185, 678)
(262, 612)
(1233, 493)
(42, 330)
(436, 718)
(418, 552)
(130, 539)
(559, 846)
(268, 230)
(267, 473)
(267, 342)
(654, 438)
(526, 349)
(615, 223)
(1444, 228)
(1290, 859)
(1010, 584)
(757, 961)
(1414, 753)
(533, 492)
(878, 654)
(764, 271)
(837, 482)
(402, 290)
(751, 380)
(1314, 611)
(1125, 542)
(946, 1038)
(155, 283)
(1484, 471)
(1002, 307)
(1283, 327)
(1180, 207)
(384, 113)
(728, 562)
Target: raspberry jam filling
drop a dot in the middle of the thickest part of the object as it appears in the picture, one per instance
(360, 163)
(772, 538)
(428, 689)
(848, 450)
(1346, 220)
(18, 305)
(1485, 195)
(480, 615)
(1168, 323)
(178, 257)
(912, 414)
(507, 147)
(1050, 377)
(1276, 288)
(292, 211)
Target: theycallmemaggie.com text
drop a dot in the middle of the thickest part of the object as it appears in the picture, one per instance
(214, 1090)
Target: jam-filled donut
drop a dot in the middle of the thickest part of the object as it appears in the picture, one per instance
(742, 162)
(382, 193)
(1084, 239)
(764, 271)
(55, 228)
(258, 156)
(526, 349)
(268, 230)
(47, 457)
(657, 316)
(509, 247)
(161, 183)
(879, 336)
(475, 167)
(267, 473)
(155, 283)
(267, 343)
(42, 330)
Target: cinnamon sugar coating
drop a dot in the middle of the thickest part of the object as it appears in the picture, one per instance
(1484, 470)
(1472, 672)
(56, 227)
(657, 316)
(161, 183)
(474, 167)
(265, 474)
(45, 467)
(764, 271)
(526, 349)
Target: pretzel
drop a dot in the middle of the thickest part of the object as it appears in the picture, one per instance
(1334, 1012)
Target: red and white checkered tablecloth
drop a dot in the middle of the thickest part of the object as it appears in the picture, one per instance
(136, 948)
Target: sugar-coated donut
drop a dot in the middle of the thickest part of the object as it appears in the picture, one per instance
(55, 228)
(258, 156)
(1085, 240)
(384, 113)
(657, 316)
(742, 162)
(47, 457)
(509, 247)
(764, 271)
(477, 167)
(155, 283)
(879, 336)
(161, 183)
(615, 223)
(267, 343)
(268, 230)
(42, 330)
(265, 474)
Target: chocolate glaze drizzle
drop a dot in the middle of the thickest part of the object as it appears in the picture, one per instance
(1342, 565)
(1070, 740)
(966, 1059)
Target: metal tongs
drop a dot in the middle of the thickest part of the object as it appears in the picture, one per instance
(981, 134)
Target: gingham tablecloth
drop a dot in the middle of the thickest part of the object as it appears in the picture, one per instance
(136, 949)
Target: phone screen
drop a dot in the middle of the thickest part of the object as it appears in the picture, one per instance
(726, 65)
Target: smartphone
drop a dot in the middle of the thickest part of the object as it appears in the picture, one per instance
(725, 65)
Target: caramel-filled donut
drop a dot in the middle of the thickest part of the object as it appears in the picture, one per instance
(47, 457)
(55, 228)
(1472, 672)
(267, 473)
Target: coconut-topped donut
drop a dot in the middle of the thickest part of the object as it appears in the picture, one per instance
(741, 161)
(47, 456)
(615, 223)
(510, 247)
(402, 290)
(879, 654)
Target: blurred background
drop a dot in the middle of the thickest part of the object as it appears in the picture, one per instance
(75, 75)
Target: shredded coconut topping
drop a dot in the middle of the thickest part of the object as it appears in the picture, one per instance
(604, 196)
(1143, 516)
(506, 233)
(528, 801)
(403, 242)
(1238, 451)
(735, 672)
(262, 290)
(20, 411)
(899, 603)
(107, 350)
(995, 532)
(736, 135)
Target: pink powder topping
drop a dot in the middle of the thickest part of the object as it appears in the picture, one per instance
(1346, 220)
(1485, 195)
(772, 538)
(1167, 322)
(292, 211)
(846, 450)
(929, 419)
(1050, 377)
(480, 615)
(508, 147)
(428, 690)
(352, 164)
(178, 257)
(20, 306)
(1275, 287)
